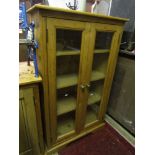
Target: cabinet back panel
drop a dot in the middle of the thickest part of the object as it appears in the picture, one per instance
(68, 39)
(68, 65)
(100, 62)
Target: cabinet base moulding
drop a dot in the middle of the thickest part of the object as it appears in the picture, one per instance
(59, 146)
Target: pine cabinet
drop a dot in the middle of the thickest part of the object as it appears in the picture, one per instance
(77, 56)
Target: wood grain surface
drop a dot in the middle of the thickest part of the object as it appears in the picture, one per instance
(26, 74)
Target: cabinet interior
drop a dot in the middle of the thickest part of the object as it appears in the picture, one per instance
(65, 123)
(103, 40)
(68, 44)
(100, 63)
(94, 99)
(67, 70)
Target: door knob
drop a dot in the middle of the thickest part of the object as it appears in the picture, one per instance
(88, 85)
(82, 87)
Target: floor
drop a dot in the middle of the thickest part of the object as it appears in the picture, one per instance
(120, 129)
(105, 141)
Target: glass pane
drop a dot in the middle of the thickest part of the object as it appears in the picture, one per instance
(68, 41)
(67, 70)
(95, 93)
(66, 100)
(103, 40)
(66, 123)
(99, 68)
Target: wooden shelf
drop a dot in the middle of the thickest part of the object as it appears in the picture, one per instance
(101, 51)
(66, 105)
(68, 80)
(93, 98)
(97, 76)
(65, 124)
(26, 74)
(68, 52)
(71, 52)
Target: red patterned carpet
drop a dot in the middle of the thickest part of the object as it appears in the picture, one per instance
(105, 141)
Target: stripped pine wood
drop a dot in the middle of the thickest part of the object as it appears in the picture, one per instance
(85, 67)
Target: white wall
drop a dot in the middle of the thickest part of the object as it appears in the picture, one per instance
(62, 3)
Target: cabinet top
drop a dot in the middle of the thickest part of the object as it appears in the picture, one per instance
(26, 74)
(47, 10)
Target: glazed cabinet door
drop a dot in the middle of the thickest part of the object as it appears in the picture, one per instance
(66, 50)
(103, 51)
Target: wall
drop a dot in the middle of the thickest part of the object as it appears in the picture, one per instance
(125, 9)
(122, 99)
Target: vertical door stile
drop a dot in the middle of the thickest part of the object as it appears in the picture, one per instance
(78, 118)
(52, 78)
(90, 55)
(83, 78)
(43, 67)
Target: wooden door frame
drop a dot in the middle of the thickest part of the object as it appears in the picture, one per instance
(52, 25)
(112, 60)
(88, 40)
(94, 27)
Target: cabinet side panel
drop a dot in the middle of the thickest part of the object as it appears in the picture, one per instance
(38, 117)
(37, 34)
(40, 36)
(52, 78)
(45, 94)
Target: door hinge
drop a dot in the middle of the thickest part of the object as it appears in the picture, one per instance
(47, 35)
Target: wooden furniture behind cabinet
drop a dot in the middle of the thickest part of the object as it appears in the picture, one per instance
(76, 57)
(30, 125)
